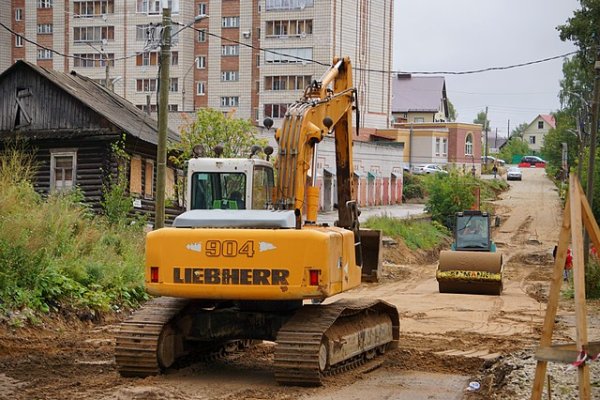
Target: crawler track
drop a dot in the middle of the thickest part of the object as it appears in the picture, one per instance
(299, 358)
(138, 339)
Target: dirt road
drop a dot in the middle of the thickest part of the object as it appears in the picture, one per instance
(446, 340)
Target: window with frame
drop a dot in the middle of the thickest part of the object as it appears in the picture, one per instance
(18, 14)
(63, 169)
(289, 28)
(174, 85)
(173, 107)
(201, 62)
(174, 58)
(271, 5)
(87, 8)
(438, 143)
(230, 50)
(230, 101)
(149, 179)
(44, 4)
(202, 8)
(419, 119)
(275, 110)
(200, 88)
(202, 36)
(540, 124)
(135, 175)
(469, 144)
(44, 29)
(229, 76)
(230, 22)
(287, 82)
(146, 85)
(444, 146)
(93, 34)
(288, 56)
(92, 60)
(18, 41)
(144, 107)
(531, 139)
(44, 54)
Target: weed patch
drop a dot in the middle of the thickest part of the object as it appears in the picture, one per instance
(416, 234)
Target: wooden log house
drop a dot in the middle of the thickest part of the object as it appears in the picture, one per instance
(73, 125)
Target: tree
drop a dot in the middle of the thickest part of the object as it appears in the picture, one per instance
(212, 128)
(514, 147)
(452, 114)
(552, 148)
(518, 131)
(449, 194)
(482, 120)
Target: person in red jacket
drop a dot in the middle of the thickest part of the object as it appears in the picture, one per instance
(568, 263)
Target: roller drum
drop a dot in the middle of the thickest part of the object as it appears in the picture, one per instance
(470, 272)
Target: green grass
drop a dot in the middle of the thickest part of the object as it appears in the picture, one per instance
(55, 254)
(417, 234)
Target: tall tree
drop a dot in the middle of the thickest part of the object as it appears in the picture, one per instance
(452, 114)
(519, 129)
(482, 120)
(563, 133)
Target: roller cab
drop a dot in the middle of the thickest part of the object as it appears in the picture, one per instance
(472, 266)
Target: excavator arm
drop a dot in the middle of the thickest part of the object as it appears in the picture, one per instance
(325, 108)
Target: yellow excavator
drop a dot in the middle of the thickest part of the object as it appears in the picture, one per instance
(230, 271)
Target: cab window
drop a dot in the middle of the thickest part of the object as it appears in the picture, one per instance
(218, 190)
(262, 186)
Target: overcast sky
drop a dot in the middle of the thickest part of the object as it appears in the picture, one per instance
(458, 35)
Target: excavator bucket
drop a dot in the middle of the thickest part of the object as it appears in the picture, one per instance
(470, 272)
(370, 241)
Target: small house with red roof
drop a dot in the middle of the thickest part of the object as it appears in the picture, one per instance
(537, 130)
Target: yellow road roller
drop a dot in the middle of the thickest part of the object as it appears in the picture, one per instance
(472, 265)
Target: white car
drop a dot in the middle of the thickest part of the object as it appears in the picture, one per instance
(514, 174)
(428, 169)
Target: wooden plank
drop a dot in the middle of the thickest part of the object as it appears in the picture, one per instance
(553, 297)
(135, 175)
(579, 283)
(591, 226)
(564, 353)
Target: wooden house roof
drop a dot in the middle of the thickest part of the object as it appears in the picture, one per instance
(114, 108)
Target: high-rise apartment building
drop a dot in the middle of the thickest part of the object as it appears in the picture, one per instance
(252, 56)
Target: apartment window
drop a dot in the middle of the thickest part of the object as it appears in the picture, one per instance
(44, 28)
(230, 101)
(202, 35)
(144, 107)
(419, 119)
(438, 143)
(275, 110)
(202, 8)
(287, 82)
(174, 58)
(18, 14)
(174, 85)
(469, 144)
(201, 62)
(18, 41)
(230, 50)
(63, 167)
(201, 88)
(93, 34)
(43, 54)
(444, 147)
(149, 179)
(44, 3)
(83, 9)
(92, 60)
(289, 28)
(146, 85)
(173, 107)
(540, 124)
(229, 76)
(531, 139)
(258, 60)
(230, 22)
(291, 55)
(288, 4)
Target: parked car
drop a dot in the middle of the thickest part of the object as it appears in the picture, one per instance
(532, 161)
(514, 174)
(492, 160)
(428, 169)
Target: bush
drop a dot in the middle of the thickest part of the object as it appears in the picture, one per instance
(417, 234)
(413, 187)
(449, 194)
(55, 253)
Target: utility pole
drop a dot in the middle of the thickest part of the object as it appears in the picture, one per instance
(485, 126)
(163, 116)
(508, 130)
(592, 157)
